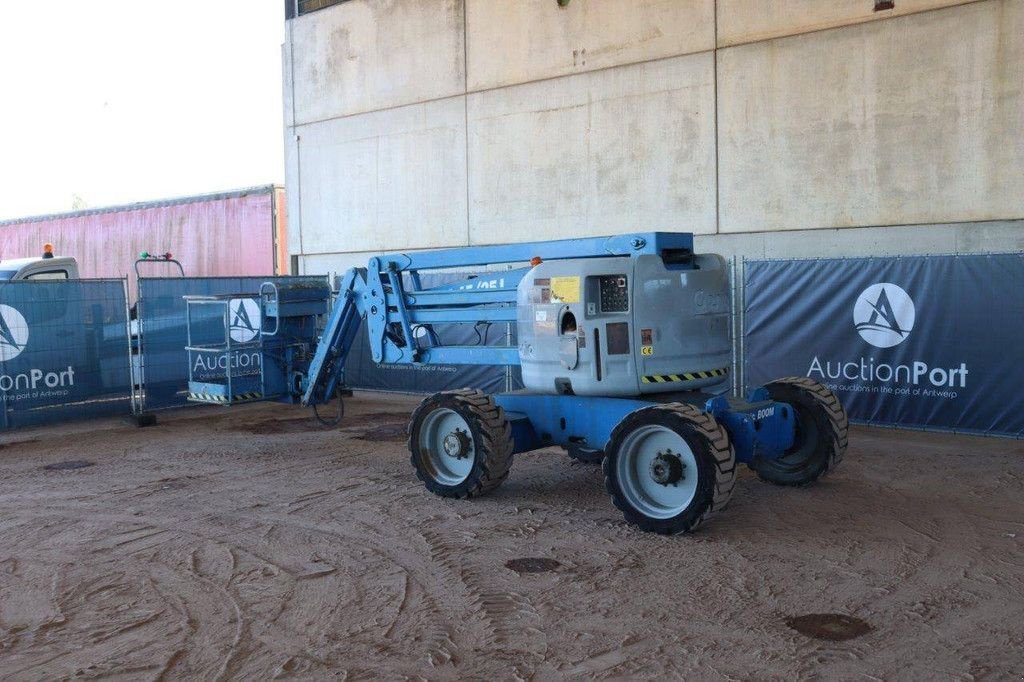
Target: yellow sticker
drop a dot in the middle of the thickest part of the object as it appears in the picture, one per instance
(565, 289)
(646, 350)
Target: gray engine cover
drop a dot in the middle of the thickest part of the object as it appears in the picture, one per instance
(624, 326)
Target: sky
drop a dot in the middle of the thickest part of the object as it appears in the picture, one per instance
(117, 101)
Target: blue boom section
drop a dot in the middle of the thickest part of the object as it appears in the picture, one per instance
(644, 243)
(327, 367)
(399, 312)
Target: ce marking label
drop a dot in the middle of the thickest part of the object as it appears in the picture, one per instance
(646, 350)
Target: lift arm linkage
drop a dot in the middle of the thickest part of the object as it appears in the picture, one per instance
(328, 364)
(400, 313)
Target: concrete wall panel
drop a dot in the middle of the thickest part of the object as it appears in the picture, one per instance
(392, 179)
(293, 204)
(747, 21)
(291, 147)
(288, 87)
(622, 149)
(365, 55)
(912, 120)
(335, 263)
(510, 42)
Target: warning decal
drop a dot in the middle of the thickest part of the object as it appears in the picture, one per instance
(565, 289)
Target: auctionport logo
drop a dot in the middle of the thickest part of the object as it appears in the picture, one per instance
(884, 315)
(13, 333)
(33, 383)
(244, 324)
(245, 319)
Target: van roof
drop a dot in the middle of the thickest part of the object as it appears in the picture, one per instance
(19, 263)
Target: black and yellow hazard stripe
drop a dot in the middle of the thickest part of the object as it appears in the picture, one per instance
(210, 398)
(207, 398)
(684, 376)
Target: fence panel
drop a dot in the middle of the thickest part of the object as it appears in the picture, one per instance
(917, 341)
(161, 312)
(64, 351)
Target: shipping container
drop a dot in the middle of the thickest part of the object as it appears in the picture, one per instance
(241, 232)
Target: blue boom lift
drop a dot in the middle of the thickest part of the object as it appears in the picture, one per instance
(624, 348)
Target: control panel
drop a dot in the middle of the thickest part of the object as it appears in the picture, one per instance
(614, 294)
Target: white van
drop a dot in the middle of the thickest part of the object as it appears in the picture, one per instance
(45, 267)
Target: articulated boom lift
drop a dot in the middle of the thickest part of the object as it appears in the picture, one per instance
(625, 353)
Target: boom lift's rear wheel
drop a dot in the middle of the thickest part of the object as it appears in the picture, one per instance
(821, 433)
(669, 468)
(461, 443)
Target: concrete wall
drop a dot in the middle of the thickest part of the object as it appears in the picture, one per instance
(528, 40)
(389, 179)
(748, 21)
(366, 55)
(761, 126)
(916, 119)
(597, 153)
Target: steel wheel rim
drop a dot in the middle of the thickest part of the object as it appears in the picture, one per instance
(445, 468)
(633, 468)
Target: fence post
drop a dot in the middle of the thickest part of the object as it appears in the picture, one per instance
(139, 316)
(733, 316)
(5, 422)
(741, 280)
(128, 336)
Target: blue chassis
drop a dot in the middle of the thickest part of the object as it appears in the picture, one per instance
(757, 427)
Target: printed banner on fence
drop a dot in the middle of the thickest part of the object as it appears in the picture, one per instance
(63, 350)
(923, 341)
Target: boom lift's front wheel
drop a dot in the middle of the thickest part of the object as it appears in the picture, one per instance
(461, 443)
(821, 433)
(669, 468)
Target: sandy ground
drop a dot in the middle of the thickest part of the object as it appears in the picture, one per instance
(247, 543)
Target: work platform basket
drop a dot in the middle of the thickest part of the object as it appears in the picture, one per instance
(225, 349)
